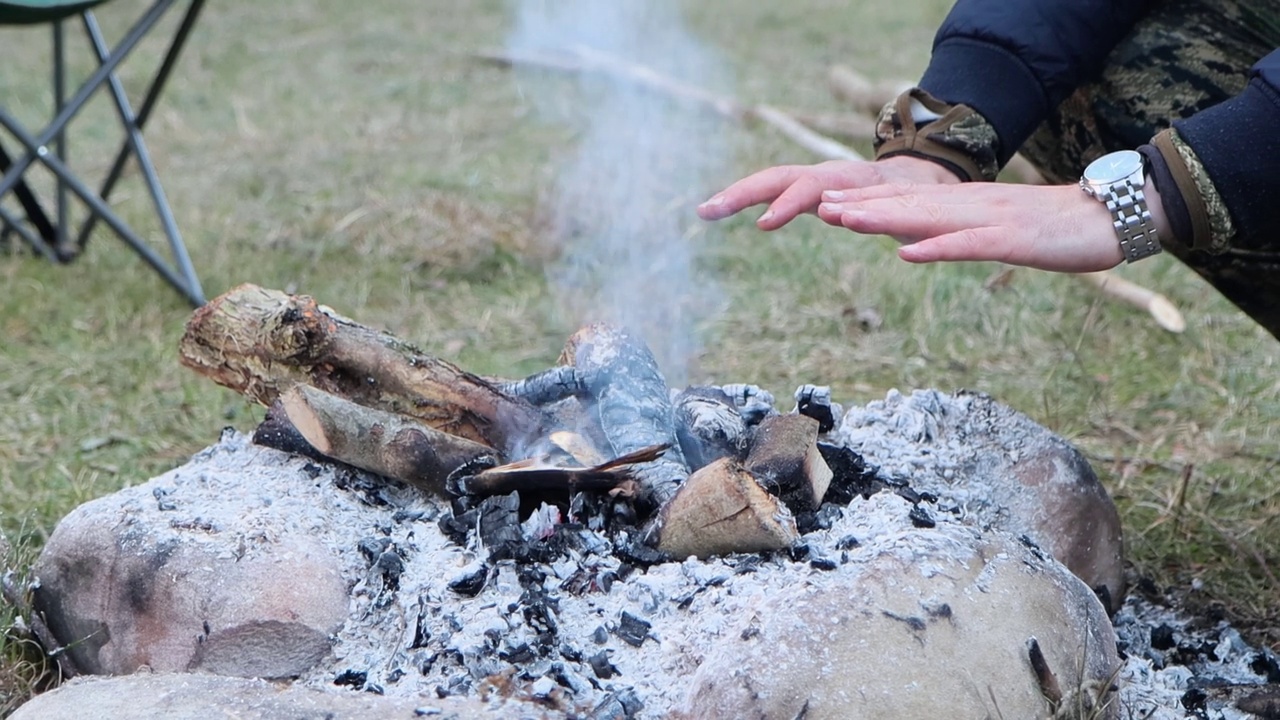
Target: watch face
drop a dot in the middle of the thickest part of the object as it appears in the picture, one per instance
(1113, 167)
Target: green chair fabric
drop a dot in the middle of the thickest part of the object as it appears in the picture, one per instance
(29, 12)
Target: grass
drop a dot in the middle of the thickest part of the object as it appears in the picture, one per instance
(356, 153)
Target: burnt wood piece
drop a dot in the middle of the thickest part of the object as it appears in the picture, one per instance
(708, 426)
(615, 476)
(549, 386)
(276, 432)
(632, 404)
(753, 402)
(1048, 682)
(260, 342)
(784, 456)
(393, 445)
(723, 509)
(815, 402)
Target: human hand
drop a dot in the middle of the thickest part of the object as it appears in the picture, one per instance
(792, 190)
(1050, 227)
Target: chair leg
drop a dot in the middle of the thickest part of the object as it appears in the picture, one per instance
(191, 291)
(135, 144)
(60, 140)
(35, 215)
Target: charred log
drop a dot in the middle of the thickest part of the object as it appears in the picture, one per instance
(753, 402)
(632, 404)
(276, 432)
(708, 426)
(260, 342)
(535, 475)
(548, 386)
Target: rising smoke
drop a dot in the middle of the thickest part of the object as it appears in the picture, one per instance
(620, 209)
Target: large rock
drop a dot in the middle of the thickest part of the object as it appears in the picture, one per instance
(197, 696)
(927, 624)
(999, 469)
(134, 580)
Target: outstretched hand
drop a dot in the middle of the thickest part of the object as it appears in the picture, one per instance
(1048, 227)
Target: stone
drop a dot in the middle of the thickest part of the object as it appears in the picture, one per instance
(199, 696)
(926, 623)
(227, 595)
(997, 468)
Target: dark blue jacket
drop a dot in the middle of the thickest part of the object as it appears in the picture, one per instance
(1014, 60)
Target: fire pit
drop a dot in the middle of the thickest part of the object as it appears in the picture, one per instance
(590, 543)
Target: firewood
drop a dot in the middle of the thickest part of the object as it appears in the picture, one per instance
(723, 509)
(784, 455)
(260, 342)
(394, 445)
(549, 386)
(582, 59)
(1048, 682)
(632, 403)
(708, 426)
(276, 432)
(535, 474)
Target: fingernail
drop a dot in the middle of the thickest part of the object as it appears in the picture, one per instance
(717, 200)
(832, 195)
(766, 217)
(831, 208)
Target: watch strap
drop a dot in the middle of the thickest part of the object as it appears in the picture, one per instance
(1131, 218)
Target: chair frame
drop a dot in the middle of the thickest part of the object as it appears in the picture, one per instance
(49, 148)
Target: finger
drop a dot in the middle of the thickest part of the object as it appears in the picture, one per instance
(801, 197)
(971, 244)
(913, 215)
(757, 188)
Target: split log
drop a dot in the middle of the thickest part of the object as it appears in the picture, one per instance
(723, 509)
(632, 403)
(260, 342)
(276, 432)
(708, 426)
(784, 456)
(381, 442)
(536, 475)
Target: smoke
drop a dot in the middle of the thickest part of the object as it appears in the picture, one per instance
(620, 206)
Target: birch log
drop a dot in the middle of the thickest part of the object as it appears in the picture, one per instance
(260, 342)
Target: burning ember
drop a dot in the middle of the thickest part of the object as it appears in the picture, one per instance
(588, 543)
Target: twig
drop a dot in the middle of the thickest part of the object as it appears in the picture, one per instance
(582, 59)
(1165, 313)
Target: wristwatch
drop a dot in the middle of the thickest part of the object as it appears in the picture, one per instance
(1116, 179)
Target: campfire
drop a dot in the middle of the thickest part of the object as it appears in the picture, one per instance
(588, 542)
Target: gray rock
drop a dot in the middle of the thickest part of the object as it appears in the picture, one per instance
(127, 585)
(197, 696)
(926, 624)
(1000, 469)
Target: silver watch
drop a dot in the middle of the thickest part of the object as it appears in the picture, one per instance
(1116, 179)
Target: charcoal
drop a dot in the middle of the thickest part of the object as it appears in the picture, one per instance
(391, 567)
(372, 547)
(499, 522)
(620, 705)
(311, 470)
(632, 630)
(637, 553)
(601, 666)
(921, 518)
(600, 636)
(1162, 637)
(1266, 665)
(754, 404)
(747, 564)
(799, 552)
(848, 542)
(163, 503)
(470, 582)
(821, 519)
(815, 401)
(850, 475)
(823, 563)
(351, 678)
(421, 632)
(518, 653)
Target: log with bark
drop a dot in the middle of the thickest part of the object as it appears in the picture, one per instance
(261, 342)
(386, 443)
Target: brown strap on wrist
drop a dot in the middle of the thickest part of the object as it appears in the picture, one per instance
(960, 139)
(1201, 229)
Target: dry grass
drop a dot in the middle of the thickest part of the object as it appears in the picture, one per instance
(356, 153)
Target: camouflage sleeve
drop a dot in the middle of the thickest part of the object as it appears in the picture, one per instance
(955, 136)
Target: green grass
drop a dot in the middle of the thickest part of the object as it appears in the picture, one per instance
(353, 151)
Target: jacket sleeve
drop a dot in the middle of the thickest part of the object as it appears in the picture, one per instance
(1238, 143)
(1014, 60)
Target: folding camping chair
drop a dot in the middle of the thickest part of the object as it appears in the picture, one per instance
(48, 232)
